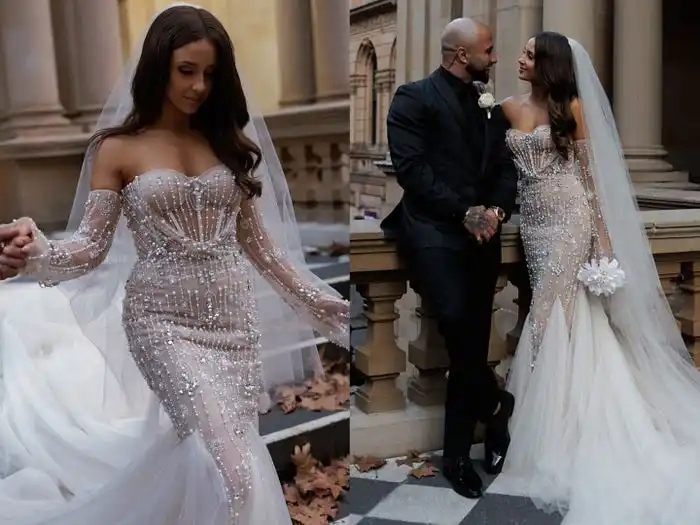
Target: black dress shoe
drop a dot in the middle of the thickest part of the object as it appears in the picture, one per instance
(497, 438)
(464, 479)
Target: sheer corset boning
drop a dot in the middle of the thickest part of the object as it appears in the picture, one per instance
(189, 313)
(556, 223)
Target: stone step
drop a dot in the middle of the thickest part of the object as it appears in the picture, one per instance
(645, 177)
(664, 197)
(327, 432)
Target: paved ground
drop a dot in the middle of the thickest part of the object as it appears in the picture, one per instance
(389, 496)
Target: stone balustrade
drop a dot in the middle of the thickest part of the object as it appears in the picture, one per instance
(38, 174)
(405, 387)
(312, 143)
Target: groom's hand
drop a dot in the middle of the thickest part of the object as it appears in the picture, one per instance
(494, 221)
(480, 223)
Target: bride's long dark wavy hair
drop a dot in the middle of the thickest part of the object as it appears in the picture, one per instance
(221, 117)
(555, 74)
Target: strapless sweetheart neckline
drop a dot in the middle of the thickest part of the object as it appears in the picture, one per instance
(535, 129)
(179, 173)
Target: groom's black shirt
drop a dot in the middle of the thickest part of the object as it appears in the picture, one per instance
(448, 156)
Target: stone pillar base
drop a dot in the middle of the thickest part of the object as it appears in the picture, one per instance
(429, 388)
(36, 122)
(651, 158)
(87, 118)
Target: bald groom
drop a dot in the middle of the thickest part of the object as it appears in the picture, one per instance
(459, 185)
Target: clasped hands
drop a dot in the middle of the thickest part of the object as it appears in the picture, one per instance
(481, 222)
(13, 239)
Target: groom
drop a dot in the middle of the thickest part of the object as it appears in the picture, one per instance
(459, 185)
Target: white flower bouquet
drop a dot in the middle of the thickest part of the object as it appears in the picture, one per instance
(602, 277)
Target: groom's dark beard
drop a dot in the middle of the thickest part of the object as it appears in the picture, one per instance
(478, 75)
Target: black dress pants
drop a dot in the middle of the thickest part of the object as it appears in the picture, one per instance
(459, 285)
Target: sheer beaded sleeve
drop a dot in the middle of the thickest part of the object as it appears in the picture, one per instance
(51, 262)
(321, 310)
(601, 246)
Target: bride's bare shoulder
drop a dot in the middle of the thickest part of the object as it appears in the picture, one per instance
(512, 108)
(111, 156)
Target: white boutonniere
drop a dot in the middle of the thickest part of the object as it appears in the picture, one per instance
(487, 101)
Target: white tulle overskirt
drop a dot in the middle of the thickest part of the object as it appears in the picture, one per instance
(597, 434)
(67, 458)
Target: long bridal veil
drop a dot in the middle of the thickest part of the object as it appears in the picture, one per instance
(82, 438)
(639, 313)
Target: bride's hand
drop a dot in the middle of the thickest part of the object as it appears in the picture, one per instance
(13, 259)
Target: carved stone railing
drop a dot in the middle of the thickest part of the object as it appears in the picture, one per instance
(379, 276)
(312, 142)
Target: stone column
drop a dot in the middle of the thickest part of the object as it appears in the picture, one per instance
(584, 21)
(419, 24)
(516, 22)
(33, 104)
(99, 56)
(66, 45)
(573, 18)
(331, 37)
(481, 10)
(3, 91)
(295, 51)
(637, 86)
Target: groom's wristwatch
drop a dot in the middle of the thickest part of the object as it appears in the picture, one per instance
(500, 214)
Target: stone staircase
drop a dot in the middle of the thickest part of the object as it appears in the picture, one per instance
(328, 432)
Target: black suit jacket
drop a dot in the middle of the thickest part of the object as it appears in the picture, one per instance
(446, 160)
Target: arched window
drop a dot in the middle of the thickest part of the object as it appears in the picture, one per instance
(368, 94)
(374, 97)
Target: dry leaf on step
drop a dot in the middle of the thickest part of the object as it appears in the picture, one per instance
(291, 493)
(412, 457)
(425, 470)
(312, 499)
(367, 463)
(328, 392)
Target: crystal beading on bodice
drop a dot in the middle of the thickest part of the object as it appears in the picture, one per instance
(559, 220)
(171, 215)
(189, 260)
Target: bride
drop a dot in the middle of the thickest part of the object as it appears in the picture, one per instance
(606, 426)
(181, 192)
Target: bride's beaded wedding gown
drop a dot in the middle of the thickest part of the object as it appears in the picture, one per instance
(587, 436)
(190, 319)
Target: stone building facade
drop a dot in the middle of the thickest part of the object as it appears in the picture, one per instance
(59, 60)
(372, 83)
